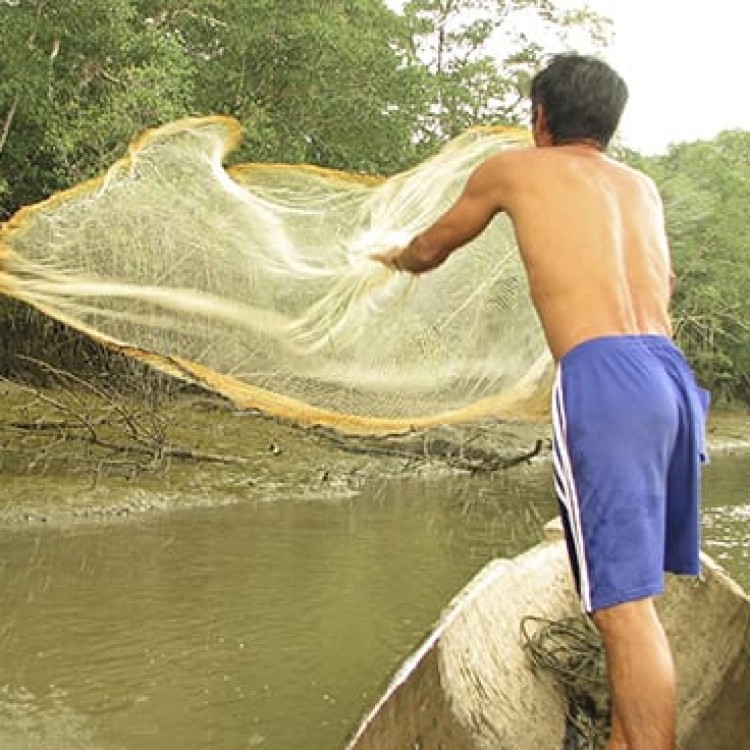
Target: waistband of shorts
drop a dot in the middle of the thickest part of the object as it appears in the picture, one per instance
(651, 342)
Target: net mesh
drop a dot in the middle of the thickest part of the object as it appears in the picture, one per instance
(255, 281)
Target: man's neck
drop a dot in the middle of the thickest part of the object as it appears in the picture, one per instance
(587, 143)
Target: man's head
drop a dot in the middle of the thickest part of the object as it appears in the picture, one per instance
(576, 98)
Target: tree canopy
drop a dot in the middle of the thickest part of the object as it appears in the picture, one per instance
(349, 84)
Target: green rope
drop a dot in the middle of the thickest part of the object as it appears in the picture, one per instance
(571, 651)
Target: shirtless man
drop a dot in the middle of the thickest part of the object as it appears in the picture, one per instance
(628, 417)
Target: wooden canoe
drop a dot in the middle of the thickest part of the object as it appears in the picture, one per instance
(469, 686)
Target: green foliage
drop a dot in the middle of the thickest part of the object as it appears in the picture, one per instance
(81, 78)
(706, 191)
(341, 83)
(482, 55)
(332, 83)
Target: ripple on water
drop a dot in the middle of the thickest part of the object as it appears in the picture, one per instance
(33, 720)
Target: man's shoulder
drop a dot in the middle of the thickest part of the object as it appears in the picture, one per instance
(519, 167)
(512, 162)
(523, 158)
(642, 181)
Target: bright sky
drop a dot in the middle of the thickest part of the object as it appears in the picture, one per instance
(687, 65)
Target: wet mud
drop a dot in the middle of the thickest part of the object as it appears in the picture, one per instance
(73, 455)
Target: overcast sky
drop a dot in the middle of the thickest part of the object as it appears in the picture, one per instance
(687, 65)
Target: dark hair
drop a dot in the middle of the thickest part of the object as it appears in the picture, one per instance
(583, 99)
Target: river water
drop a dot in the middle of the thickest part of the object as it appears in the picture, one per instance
(261, 624)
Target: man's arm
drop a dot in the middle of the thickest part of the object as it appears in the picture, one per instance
(467, 218)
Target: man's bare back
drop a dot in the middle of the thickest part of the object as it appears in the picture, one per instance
(591, 235)
(590, 232)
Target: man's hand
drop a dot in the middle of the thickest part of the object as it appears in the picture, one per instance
(390, 258)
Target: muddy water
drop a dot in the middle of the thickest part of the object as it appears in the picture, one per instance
(726, 517)
(259, 624)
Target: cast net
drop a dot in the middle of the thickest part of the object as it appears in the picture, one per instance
(255, 282)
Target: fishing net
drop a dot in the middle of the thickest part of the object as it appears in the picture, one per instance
(255, 281)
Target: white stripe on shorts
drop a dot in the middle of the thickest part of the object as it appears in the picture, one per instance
(566, 487)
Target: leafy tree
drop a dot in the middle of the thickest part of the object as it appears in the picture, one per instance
(79, 79)
(706, 190)
(483, 53)
(336, 82)
(332, 83)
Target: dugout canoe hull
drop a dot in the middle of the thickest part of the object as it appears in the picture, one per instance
(469, 685)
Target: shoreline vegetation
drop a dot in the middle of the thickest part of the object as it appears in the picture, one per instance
(77, 450)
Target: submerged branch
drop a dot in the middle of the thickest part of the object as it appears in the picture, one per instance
(456, 454)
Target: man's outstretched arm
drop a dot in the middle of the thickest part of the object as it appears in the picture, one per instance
(467, 218)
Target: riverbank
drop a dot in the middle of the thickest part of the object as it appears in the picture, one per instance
(70, 456)
(729, 431)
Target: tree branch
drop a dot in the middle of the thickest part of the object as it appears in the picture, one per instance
(8, 122)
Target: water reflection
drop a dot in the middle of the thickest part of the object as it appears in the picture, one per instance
(265, 625)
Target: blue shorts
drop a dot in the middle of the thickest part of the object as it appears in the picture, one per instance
(629, 431)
